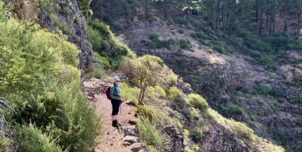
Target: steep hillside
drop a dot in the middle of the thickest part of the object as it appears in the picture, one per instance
(43, 103)
(248, 69)
(61, 17)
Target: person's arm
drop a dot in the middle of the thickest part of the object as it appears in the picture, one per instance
(114, 94)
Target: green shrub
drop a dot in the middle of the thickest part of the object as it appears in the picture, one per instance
(172, 80)
(29, 138)
(184, 43)
(266, 90)
(156, 43)
(181, 31)
(242, 130)
(195, 135)
(160, 91)
(128, 92)
(198, 101)
(157, 92)
(181, 20)
(4, 143)
(104, 42)
(149, 134)
(145, 112)
(174, 92)
(176, 95)
(40, 79)
(46, 4)
(235, 109)
(95, 38)
(299, 123)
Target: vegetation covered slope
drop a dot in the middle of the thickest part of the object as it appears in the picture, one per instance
(242, 56)
(41, 82)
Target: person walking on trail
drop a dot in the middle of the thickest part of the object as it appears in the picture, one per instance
(116, 100)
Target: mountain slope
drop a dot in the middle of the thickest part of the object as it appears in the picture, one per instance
(251, 74)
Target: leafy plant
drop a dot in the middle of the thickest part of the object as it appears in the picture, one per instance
(149, 133)
(32, 139)
(198, 101)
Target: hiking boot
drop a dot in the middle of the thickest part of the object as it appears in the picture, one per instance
(114, 123)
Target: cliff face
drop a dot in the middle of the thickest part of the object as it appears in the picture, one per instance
(74, 26)
(62, 17)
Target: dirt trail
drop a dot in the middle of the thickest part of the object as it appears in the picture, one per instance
(112, 140)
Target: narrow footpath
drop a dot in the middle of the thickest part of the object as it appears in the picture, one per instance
(113, 140)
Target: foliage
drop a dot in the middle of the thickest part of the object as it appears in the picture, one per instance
(4, 143)
(129, 93)
(184, 43)
(40, 79)
(105, 44)
(149, 133)
(156, 43)
(172, 80)
(176, 94)
(266, 90)
(143, 71)
(198, 102)
(84, 6)
(32, 139)
(195, 135)
(242, 130)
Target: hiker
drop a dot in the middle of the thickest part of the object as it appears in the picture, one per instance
(116, 100)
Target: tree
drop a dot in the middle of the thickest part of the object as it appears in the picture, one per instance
(143, 71)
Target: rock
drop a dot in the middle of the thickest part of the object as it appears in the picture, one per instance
(132, 122)
(76, 26)
(130, 102)
(176, 144)
(138, 147)
(129, 132)
(128, 140)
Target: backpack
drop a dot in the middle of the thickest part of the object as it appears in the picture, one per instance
(108, 92)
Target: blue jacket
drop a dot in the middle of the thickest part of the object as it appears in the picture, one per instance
(115, 92)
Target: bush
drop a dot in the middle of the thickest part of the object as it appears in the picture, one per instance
(198, 102)
(40, 79)
(128, 92)
(149, 134)
(157, 92)
(181, 31)
(4, 143)
(29, 138)
(195, 135)
(104, 42)
(145, 112)
(184, 43)
(181, 20)
(266, 90)
(156, 43)
(176, 95)
(242, 130)
(172, 80)
(95, 38)
(235, 109)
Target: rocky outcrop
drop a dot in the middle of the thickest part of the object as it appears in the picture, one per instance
(219, 139)
(177, 142)
(65, 16)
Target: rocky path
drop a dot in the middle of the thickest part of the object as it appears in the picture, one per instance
(112, 139)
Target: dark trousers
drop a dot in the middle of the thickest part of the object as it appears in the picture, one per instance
(115, 106)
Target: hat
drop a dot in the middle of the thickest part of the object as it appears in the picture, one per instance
(116, 79)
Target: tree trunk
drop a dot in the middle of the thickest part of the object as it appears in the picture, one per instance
(261, 22)
(285, 21)
(257, 11)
